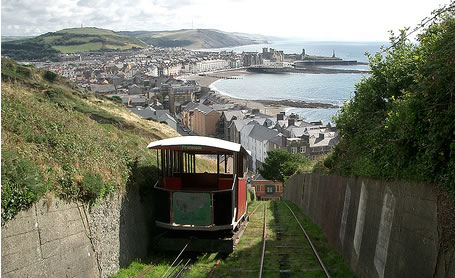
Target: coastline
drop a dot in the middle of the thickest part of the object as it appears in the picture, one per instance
(268, 107)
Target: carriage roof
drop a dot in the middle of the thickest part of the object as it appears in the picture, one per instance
(198, 145)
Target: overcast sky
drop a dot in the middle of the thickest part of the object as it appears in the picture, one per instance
(358, 20)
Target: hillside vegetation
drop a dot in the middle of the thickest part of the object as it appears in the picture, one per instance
(60, 140)
(401, 122)
(49, 45)
(195, 38)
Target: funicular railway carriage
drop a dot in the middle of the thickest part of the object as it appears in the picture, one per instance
(187, 200)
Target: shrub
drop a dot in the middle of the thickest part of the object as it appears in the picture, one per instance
(280, 164)
(400, 123)
(92, 186)
(22, 184)
(50, 76)
(116, 99)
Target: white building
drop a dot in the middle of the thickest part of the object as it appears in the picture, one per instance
(210, 65)
(256, 138)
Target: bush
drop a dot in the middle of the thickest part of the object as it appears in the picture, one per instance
(116, 99)
(22, 184)
(400, 124)
(92, 186)
(280, 164)
(50, 76)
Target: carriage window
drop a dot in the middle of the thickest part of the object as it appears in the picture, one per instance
(206, 163)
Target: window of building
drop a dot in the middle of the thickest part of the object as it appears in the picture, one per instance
(269, 189)
(293, 149)
(302, 149)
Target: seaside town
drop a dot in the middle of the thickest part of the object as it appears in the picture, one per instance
(171, 85)
(227, 139)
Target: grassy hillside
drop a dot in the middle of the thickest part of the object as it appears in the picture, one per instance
(72, 40)
(195, 38)
(59, 140)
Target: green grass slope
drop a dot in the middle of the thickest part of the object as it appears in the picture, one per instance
(195, 38)
(49, 45)
(58, 140)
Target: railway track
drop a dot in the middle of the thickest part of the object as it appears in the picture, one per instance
(285, 253)
(274, 244)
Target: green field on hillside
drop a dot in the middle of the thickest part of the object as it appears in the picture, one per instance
(75, 40)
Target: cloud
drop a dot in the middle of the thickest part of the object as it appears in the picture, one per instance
(349, 19)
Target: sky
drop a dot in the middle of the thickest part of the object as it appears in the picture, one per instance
(330, 20)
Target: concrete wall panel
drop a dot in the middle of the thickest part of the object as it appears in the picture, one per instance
(61, 239)
(382, 229)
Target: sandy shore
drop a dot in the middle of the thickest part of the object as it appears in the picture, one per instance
(269, 107)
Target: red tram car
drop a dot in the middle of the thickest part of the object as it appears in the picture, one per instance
(188, 200)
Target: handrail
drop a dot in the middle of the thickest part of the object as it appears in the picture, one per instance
(156, 183)
(194, 191)
(234, 180)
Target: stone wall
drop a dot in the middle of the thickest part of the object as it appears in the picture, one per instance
(382, 229)
(55, 238)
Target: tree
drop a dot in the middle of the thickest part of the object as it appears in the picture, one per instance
(280, 164)
(401, 122)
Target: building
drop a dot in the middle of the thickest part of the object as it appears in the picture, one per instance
(267, 189)
(312, 141)
(209, 65)
(181, 93)
(252, 59)
(227, 117)
(103, 89)
(272, 55)
(204, 120)
(150, 113)
(256, 138)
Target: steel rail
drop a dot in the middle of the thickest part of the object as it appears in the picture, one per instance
(144, 272)
(174, 269)
(309, 241)
(254, 210)
(212, 272)
(264, 239)
(164, 275)
(182, 269)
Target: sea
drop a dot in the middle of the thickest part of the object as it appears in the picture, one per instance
(323, 88)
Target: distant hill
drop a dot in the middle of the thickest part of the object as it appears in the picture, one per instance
(73, 40)
(49, 45)
(15, 38)
(195, 38)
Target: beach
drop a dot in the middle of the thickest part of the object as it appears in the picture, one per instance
(266, 106)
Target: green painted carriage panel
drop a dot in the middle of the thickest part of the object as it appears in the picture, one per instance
(192, 208)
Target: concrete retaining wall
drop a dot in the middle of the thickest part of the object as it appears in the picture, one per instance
(381, 229)
(59, 239)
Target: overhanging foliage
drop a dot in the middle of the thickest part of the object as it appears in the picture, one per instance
(401, 122)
